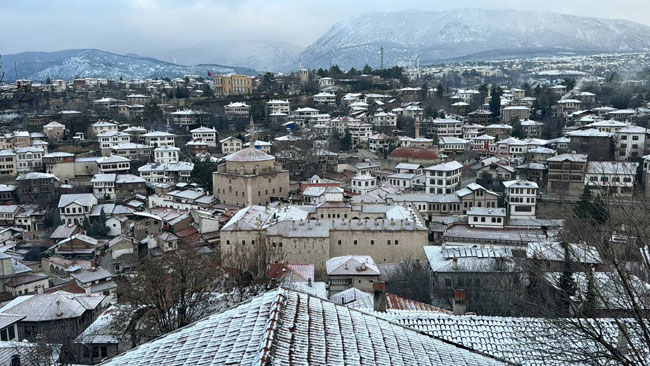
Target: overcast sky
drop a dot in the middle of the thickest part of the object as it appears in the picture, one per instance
(148, 26)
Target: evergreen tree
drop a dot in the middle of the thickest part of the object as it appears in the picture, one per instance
(367, 70)
(517, 131)
(495, 101)
(346, 141)
(424, 91)
(152, 112)
(439, 91)
(599, 212)
(430, 112)
(583, 207)
(570, 83)
(202, 173)
(56, 218)
(86, 225)
(483, 92)
(48, 81)
(591, 210)
(567, 283)
(101, 230)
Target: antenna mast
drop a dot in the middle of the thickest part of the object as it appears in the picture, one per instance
(381, 63)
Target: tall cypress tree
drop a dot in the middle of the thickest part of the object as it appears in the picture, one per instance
(567, 283)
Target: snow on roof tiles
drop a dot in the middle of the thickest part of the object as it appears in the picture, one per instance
(283, 327)
(43, 307)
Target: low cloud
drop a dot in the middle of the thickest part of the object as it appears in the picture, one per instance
(149, 26)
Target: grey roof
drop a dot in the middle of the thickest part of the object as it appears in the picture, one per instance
(522, 340)
(611, 167)
(103, 330)
(112, 159)
(588, 133)
(357, 265)
(469, 259)
(103, 178)
(128, 178)
(582, 158)
(83, 199)
(63, 231)
(249, 154)
(91, 275)
(520, 183)
(36, 175)
(7, 188)
(43, 307)
(424, 197)
(452, 165)
(484, 211)
(408, 166)
(283, 327)
(8, 319)
(554, 251)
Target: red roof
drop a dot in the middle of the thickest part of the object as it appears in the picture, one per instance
(278, 270)
(414, 153)
(395, 302)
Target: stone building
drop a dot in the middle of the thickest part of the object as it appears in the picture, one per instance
(249, 177)
(314, 234)
(352, 271)
(226, 85)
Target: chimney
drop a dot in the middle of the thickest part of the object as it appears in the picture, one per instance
(87, 290)
(39, 290)
(58, 308)
(454, 264)
(309, 282)
(379, 289)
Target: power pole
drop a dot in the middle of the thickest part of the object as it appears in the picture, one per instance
(381, 63)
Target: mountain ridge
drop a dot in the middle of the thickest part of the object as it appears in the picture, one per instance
(453, 34)
(90, 62)
(262, 55)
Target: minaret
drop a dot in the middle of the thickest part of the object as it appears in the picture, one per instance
(252, 134)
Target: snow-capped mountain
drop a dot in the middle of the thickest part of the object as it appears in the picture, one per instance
(256, 54)
(468, 34)
(70, 64)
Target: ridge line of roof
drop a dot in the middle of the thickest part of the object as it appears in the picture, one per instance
(402, 326)
(270, 333)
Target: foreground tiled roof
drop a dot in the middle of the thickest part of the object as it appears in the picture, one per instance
(521, 340)
(286, 327)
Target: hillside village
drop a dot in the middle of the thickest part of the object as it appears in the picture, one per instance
(433, 204)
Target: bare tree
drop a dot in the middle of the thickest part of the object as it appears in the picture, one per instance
(170, 292)
(411, 279)
(39, 353)
(601, 314)
(249, 267)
